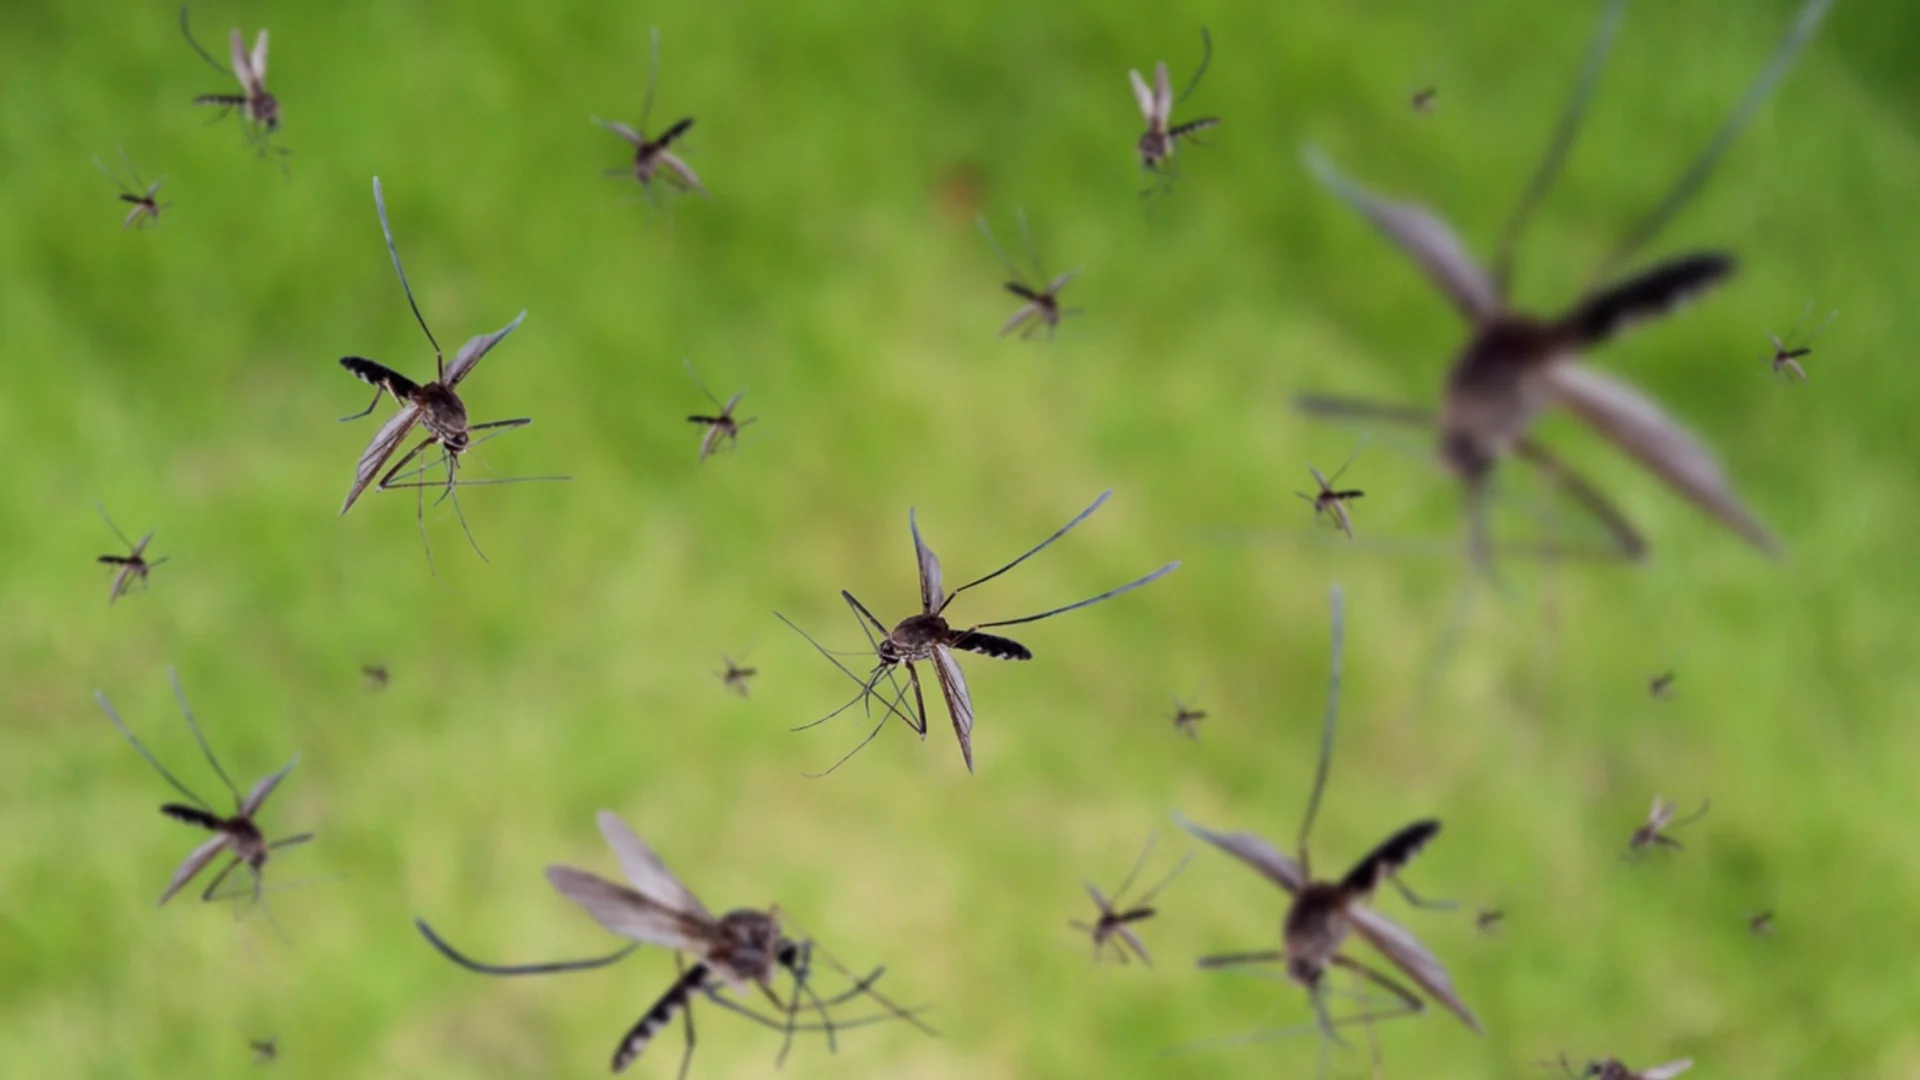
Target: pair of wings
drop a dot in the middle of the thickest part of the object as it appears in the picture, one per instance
(1394, 941)
(1034, 305)
(250, 70)
(1155, 104)
(657, 910)
(1120, 929)
(198, 859)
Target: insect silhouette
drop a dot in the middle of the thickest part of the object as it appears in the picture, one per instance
(1331, 501)
(1760, 923)
(1515, 366)
(377, 676)
(650, 155)
(1660, 686)
(1786, 355)
(929, 638)
(721, 427)
(140, 195)
(735, 676)
(133, 566)
(1613, 1069)
(1157, 103)
(1488, 921)
(1187, 719)
(265, 1051)
(1323, 914)
(1040, 307)
(1114, 927)
(1659, 822)
(737, 950)
(1423, 99)
(259, 109)
(235, 835)
(435, 406)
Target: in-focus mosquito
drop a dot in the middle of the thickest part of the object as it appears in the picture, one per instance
(1787, 355)
(1515, 365)
(1157, 103)
(1323, 914)
(235, 835)
(1659, 822)
(435, 406)
(928, 638)
(1113, 928)
(1187, 718)
(1613, 1069)
(1660, 687)
(265, 1051)
(1331, 501)
(142, 196)
(720, 427)
(652, 154)
(377, 676)
(1040, 306)
(133, 566)
(259, 109)
(735, 676)
(740, 949)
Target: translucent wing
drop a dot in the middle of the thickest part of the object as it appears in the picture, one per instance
(385, 442)
(195, 863)
(120, 581)
(645, 869)
(622, 130)
(472, 351)
(1668, 1071)
(1253, 851)
(959, 702)
(1411, 957)
(931, 598)
(1027, 311)
(1143, 96)
(258, 796)
(242, 68)
(682, 170)
(625, 912)
(1054, 286)
(259, 62)
(1133, 939)
(1162, 91)
(708, 440)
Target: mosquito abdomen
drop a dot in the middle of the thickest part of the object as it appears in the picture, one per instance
(660, 1015)
(993, 645)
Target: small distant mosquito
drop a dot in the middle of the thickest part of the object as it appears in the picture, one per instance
(1659, 821)
(739, 949)
(1760, 923)
(1156, 107)
(260, 109)
(1323, 914)
(1661, 685)
(1112, 928)
(1612, 1069)
(1041, 307)
(1330, 501)
(236, 835)
(735, 676)
(1488, 921)
(133, 565)
(377, 675)
(1187, 719)
(435, 405)
(142, 196)
(929, 638)
(649, 155)
(721, 427)
(265, 1051)
(1786, 355)
(1423, 99)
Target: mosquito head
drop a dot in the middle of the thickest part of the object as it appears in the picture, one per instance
(265, 110)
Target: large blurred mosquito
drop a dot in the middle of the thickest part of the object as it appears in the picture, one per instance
(1040, 307)
(435, 406)
(1659, 822)
(1330, 500)
(1187, 718)
(235, 835)
(1613, 1069)
(721, 427)
(1113, 928)
(259, 109)
(142, 196)
(929, 638)
(1787, 355)
(651, 154)
(133, 566)
(736, 674)
(1324, 913)
(1516, 365)
(1157, 103)
(732, 952)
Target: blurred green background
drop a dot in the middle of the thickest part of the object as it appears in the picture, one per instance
(185, 376)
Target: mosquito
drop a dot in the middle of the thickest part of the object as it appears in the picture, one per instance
(649, 155)
(1787, 356)
(1659, 822)
(1112, 928)
(133, 566)
(721, 427)
(1613, 1069)
(1041, 306)
(259, 109)
(1760, 923)
(435, 406)
(235, 835)
(737, 950)
(1423, 99)
(929, 638)
(377, 676)
(1660, 687)
(265, 1051)
(1157, 145)
(1187, 719)
(735, 676)
(1323, 914)
(1330, 501)
(142, 196)
(1515, 365)
(1488, 921)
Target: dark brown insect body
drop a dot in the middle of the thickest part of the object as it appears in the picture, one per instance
(1162, 137)
(1331, 501)
(376, 675)
(140, 195)
(1613, 1069)
(265, 1051)
(1423, 98)
(1760, 923)
(651, 155)
(1113, 926)
(131, 567)
(1661, 685)
(1187, 719)
(721, 427)
(1488, 921)
(735, 676)
(260, 109)
(1786, 355)
(1041, 308)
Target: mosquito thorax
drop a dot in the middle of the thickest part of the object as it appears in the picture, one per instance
(752, 940)
(266, 110)
(915, 634)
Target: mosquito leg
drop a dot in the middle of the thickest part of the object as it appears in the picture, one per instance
(1327, 727)
(207, 896)
(1414, 898)
(1265, 956)
(461, 514)
(686, 1056)
(186, 710)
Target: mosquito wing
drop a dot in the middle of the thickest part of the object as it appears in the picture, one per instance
(1668, 1071)
(1027, 311)
(688, 178)
(621, 130)
(1253, 851)
(385, 442)
(708, 441)
(931, 598)
(1144, 97)
(195, 863)
(645, 869)
(1411, 957)
(953, 684)
(1139, 947)
(625, 912)
(242, 66)
(258, 796)
(1162, 92)
(259, 59)
(120, 581)
(1061, 282)
(1661, 813)
(472, 351)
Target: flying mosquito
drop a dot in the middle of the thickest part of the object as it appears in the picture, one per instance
(1760, 923)
(1323, 914)
(142, 196)
(265, 1051)
(133, 566)
(929, 638)
(435, 405)
(1187, 718)
(1330, 501)
(1660, 687)
(1112, 928)
(1659, 821)
(1516, 365)
(1041, 306)
(1156, 107)
(1423, 99)
(259, 109)
(721, 427)
(740, 949)
(377, 676)
(1488, 921)
(649, 155)
(1613, 1069)
(735, 676)
(1787, 356)
(236, 835)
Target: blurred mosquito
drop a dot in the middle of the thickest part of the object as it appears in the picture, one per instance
(1659, 822)
(735, 676)
(929, 638)
(721, 427)
(1330, 501)
(377, 676)
(133, 566)
(1612, 1069)
(1660, 686)
(235, 835)
(259, 109)
(739, 949)
(265, 1051)
(1323, 914)
(1041, 307)
(1162, 137)
(1488, 921)
(435, 405)
(1187, 718)
(1112, 928)
(1760, 923)
(1515, 365)
(651, 154)
(142, 196)
(1423, 99)
(1786, 355)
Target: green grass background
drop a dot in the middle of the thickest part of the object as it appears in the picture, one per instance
(185, 376)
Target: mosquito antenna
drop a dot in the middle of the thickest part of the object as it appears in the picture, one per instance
(1797, 37)
(687, 363)
(987, 231)
(103, 510)
(865, 986)
(1206, 58)
(1326, 733)
(653, 72)
(380, 203)
(1064, 529)
(107, 707)
(1165, 881)
(1108, 595)
(861, 609)
(188, 34)
(186, 710)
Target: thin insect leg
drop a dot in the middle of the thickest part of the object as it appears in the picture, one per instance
(1165, 881)
(1206, 58)
(1327, 726)
(372, 405)
(687, 363)
(1035, 550)
(107, 707)
(1695, 816)
(1220, 960)
(1033, 253)
(1342, 470)
(116, 529)
(380, 204)
(866, 685)
(1415, 899)
(459, 513)
(188, 34)
(844, 758)
(1013, 271)
(1145, 852)
(232, 864)
(680, 971)
(1088, 602)
(1444, 646)
(186, 710)
(861, 609)
(552, 967)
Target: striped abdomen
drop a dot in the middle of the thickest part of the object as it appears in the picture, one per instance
(660, 1015)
